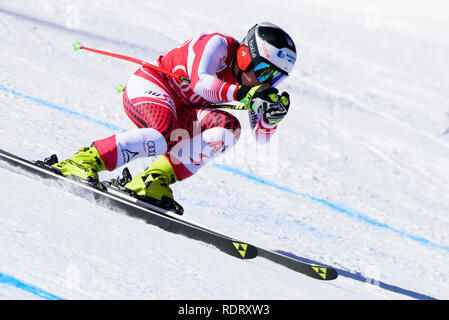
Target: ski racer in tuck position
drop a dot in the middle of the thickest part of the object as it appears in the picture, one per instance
(220, 70)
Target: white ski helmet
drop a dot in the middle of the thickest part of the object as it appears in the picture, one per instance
(269, 50)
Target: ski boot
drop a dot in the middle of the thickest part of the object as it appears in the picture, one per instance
(85, 165)
(152, 186)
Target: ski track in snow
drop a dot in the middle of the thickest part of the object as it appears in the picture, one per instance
(396, 224)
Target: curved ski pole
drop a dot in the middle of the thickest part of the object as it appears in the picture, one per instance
(227, 105)
(78, 46)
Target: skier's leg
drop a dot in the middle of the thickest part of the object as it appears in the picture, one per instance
(149, 104)
(202, 134)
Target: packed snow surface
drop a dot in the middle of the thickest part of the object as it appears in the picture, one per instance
(356, 177)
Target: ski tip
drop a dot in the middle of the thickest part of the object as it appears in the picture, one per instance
(77, 46)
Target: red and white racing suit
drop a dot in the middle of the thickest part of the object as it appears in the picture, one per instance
(173, 118)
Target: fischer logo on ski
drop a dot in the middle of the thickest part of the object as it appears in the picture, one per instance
(241, 248)
(321, 271)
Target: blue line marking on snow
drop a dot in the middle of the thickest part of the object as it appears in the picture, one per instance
(352, 214)
(335, 207)
(59, 108)
(13, 282)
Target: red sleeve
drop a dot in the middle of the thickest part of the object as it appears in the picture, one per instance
(209, 55)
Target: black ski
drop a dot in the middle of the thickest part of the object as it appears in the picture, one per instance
(137, 208)
(153, 214)
(315, 271)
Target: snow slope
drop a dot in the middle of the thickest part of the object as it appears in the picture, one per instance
(356, 177)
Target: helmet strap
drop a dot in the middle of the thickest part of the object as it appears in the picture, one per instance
(238, 76)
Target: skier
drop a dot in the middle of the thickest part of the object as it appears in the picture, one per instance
(177, 122)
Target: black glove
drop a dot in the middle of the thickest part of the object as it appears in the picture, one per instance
(265, 99)
(248, 94)
(276, 111)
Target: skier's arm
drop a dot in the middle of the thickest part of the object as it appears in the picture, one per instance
(262, 131)
(204, 67)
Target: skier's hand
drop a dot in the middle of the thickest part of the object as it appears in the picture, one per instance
(251, 95)
(276, 111)
(266, 100)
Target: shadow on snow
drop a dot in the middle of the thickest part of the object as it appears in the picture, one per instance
(359, 277)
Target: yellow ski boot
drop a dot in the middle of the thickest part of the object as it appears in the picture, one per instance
(152, 185)
(85, 164)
